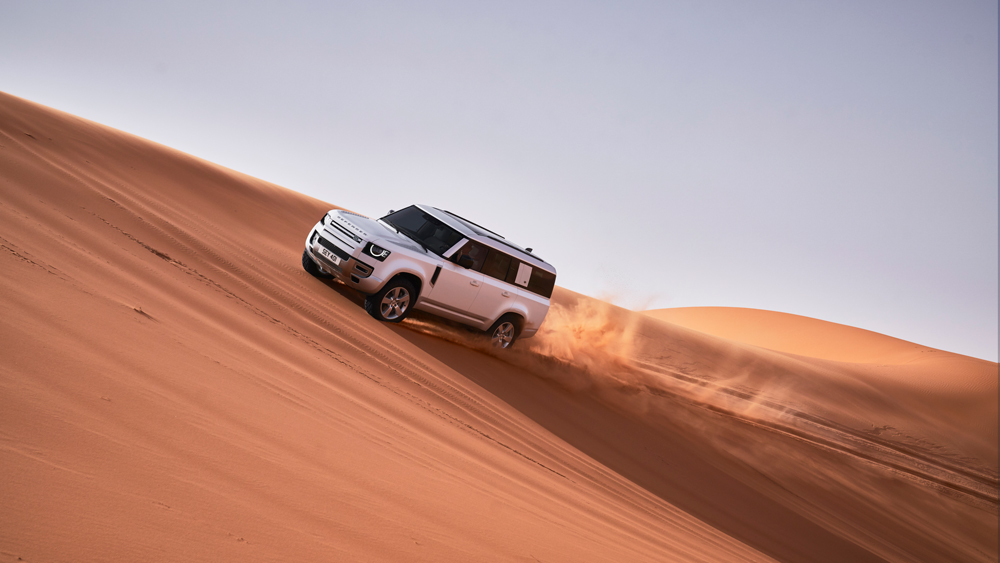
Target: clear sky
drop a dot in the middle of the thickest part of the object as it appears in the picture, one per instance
(831, 159)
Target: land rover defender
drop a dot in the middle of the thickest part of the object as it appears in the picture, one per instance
(426, 258)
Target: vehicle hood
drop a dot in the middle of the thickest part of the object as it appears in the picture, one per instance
(372, 230)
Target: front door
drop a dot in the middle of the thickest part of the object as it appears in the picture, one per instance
(452, 294)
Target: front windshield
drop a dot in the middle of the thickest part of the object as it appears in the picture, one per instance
(424, 229)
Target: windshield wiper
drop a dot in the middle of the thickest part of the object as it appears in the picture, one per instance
(410, 235)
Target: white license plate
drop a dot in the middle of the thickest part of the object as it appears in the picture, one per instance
(333, 257)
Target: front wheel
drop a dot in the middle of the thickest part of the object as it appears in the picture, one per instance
(393, 302)
(505, 331)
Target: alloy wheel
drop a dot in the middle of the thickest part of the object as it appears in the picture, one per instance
(394, 303)
(503, 336)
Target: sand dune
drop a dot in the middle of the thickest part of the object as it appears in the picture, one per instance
(946, 390)
(175, 387)
(794, 334)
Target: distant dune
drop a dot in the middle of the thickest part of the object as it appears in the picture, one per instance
(794, 334)
(940, 386)
(175, 388)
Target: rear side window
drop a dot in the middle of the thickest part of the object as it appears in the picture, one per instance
(535, 280)
(512, 270)
(496, 265)
(542, 282)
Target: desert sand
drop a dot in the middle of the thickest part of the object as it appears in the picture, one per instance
(174, 387)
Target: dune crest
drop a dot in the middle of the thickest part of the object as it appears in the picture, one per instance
(951, 388)
(794, 334)
(175, 387)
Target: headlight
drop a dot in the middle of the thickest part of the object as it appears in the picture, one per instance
(376, 252)
(323, 220)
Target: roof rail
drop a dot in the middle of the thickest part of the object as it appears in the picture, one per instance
(455, 215)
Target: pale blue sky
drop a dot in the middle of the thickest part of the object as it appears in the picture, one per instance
(830, 159)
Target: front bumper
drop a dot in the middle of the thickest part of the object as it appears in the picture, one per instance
(346, 268)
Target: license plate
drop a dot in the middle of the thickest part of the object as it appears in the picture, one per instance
(333, 257)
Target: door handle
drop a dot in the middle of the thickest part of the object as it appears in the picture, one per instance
(474, 282)
(506, 294)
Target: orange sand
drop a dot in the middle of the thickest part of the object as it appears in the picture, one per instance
(175, 388)
(794, 334)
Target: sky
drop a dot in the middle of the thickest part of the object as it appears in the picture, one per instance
(837, 160)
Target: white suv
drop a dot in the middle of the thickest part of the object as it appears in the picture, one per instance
(433, 260)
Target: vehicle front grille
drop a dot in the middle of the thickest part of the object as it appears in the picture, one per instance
(343, 232)
(334, 249)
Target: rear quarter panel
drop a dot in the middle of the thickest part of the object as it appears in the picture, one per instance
(535, 309)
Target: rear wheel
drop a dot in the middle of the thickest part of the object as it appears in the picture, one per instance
(393, 302)
(311, 267)
(505, 331)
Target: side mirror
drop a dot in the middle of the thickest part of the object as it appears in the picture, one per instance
(466, 261)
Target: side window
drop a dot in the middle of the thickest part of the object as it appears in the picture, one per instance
(518, 273)
(515, 265)
(542, 282)
(476, 251)
(496, 265)
(535, 280)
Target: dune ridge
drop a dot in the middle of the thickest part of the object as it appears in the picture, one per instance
(175, 387)
(939, 382)
(795, 334)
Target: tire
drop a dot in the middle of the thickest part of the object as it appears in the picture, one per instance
(311, 267)
(393, 302)
(505, 331)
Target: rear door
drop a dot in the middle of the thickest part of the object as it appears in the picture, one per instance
(497, 296)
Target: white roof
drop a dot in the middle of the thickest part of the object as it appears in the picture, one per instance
(481, 234)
